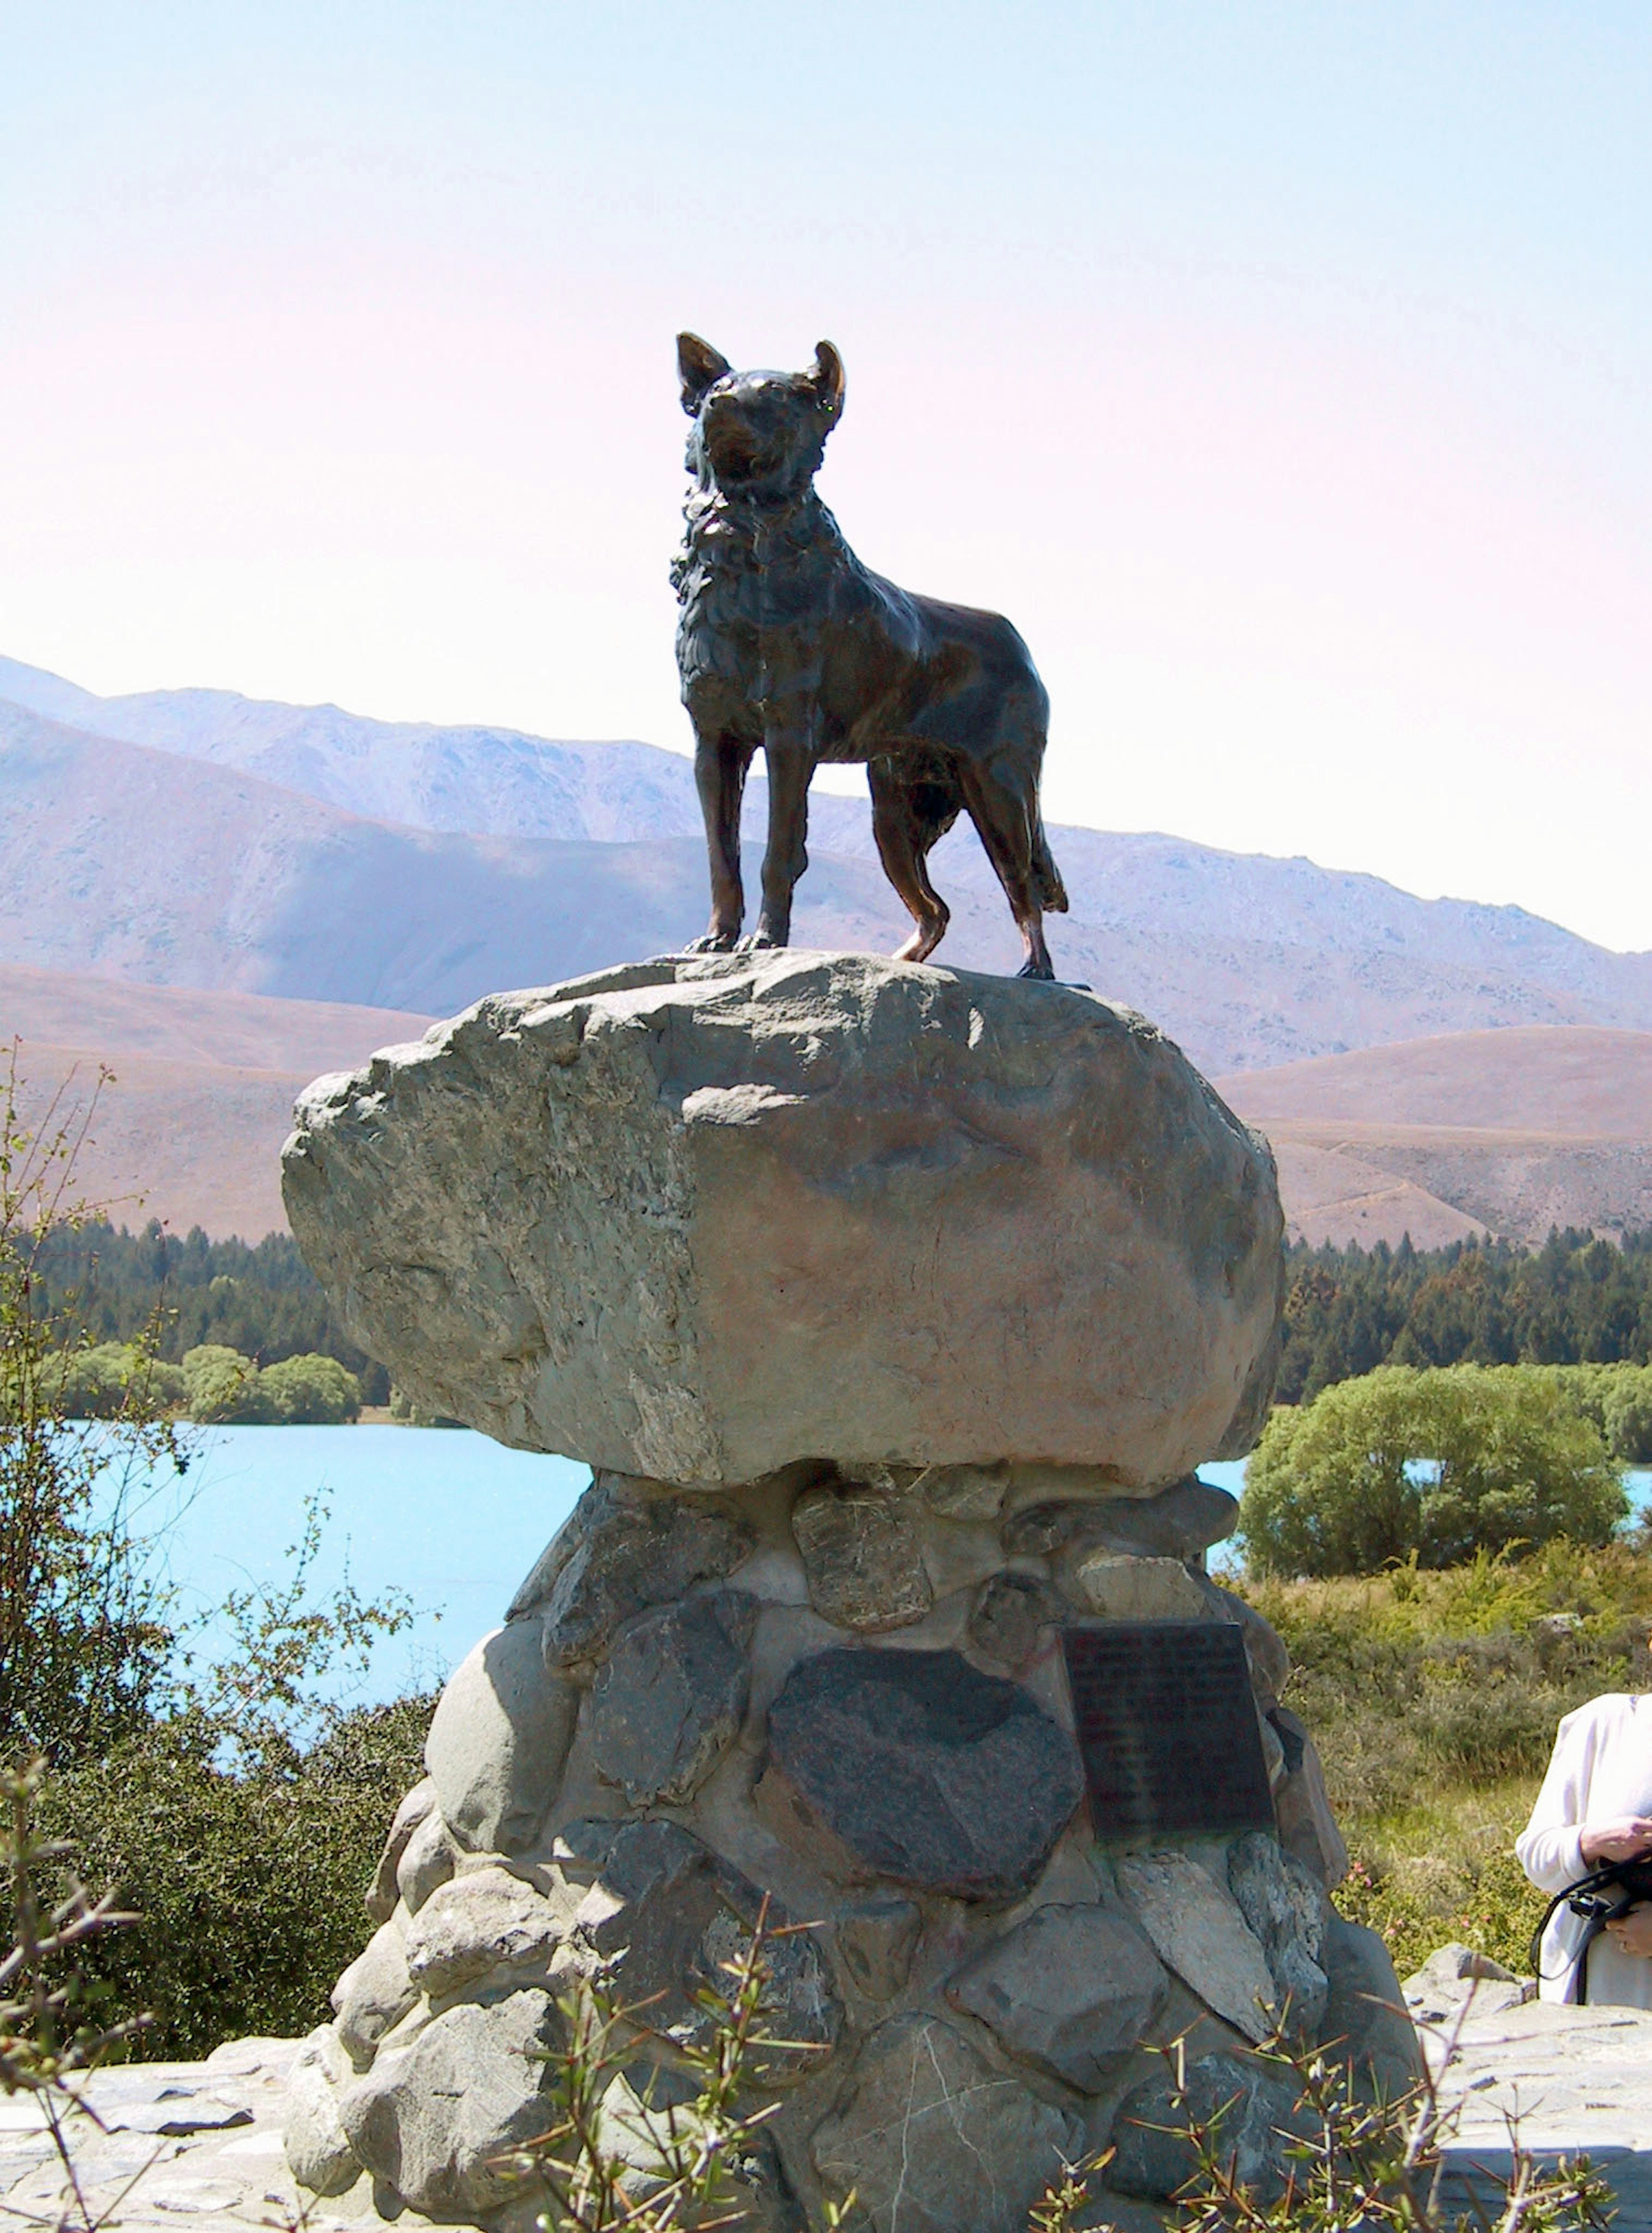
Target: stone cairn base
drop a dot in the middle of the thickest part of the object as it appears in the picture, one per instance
(834, 1685)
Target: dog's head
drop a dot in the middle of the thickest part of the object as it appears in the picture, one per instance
(758, 434)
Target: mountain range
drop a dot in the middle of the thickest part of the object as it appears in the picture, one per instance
(217, 849)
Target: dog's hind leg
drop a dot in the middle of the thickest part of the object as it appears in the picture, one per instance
(720, 764)
(908, 815)
(1004, 817)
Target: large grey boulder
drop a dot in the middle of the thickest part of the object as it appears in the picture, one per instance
(437, 2120)
(930, 2138)
(625, 1546)
(498, 1739)
(1071, 1990)
(697, 1218)
(668, 1700)
(1249, 2113)
(915, 1766)
(1199, 1931)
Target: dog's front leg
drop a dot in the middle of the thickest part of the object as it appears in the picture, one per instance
(720, 762)
(791, 763)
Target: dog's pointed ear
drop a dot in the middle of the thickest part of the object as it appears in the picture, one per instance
(827, 380)
(700, 367)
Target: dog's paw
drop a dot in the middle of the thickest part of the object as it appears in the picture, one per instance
(715, 941)
(759, 941)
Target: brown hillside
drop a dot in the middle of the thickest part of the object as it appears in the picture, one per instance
(190, 1129)
(1510, 1131)
(245, 1030)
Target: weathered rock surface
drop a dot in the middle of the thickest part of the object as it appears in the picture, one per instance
(1365, 2020)
(481, 1922)
(627, 1545)
(931, 2140)
(1198, 1932)
(1071, 1990)
(921, 1770)
(876, 1939)
(1307, 1827)
(862, 1556)
(666, 1914)
(1248, 2111)
(674, 1223)
(373, 1993)
(414, 1812)
(670, 1697)
(647, 2122)
(314, 2142)
(498, 1741)
(1180, 1522)
(429, 1858)
(431, 2119)
(1284, 1907)
(1007, 1619)
(1136, 1589)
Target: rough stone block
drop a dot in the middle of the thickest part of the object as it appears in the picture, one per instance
(876, 1939)
(1180, 1522)
(1365, 2022)
(913, 1766)
(373, 1993)
(1285, 1908)
(931, 2140)
(414, 1810)
(1199, 1931)
(669, 1699)
(432, 2119)
(429, 1858)
(1307, 1827)
(626, 1547)
(666, 1914)
(719, 1213)
(317, 2148)
(483, 1920)
(1071, 1990)
(1136, 1589)
(862, 1556)
(1251, 2115)
(1010, 1612)
(498, 1741)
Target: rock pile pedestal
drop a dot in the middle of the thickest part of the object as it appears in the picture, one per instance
(829, 1688)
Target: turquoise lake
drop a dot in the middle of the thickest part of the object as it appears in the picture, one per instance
(446, 1515)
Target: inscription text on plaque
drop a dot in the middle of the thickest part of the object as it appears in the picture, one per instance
(1167, 1727)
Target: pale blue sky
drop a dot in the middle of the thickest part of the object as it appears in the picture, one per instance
(1282, 372)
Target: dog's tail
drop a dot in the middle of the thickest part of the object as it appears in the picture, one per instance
(1053, 893)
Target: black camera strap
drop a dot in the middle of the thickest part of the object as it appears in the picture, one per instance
(1603, 1893)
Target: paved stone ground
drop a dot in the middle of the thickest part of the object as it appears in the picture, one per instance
(186, 2144)
(175, 2145)
(1565, 2080)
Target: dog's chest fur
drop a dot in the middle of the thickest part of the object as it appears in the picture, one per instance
(756, 583)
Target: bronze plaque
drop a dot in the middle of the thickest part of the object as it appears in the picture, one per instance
(1166, 1726)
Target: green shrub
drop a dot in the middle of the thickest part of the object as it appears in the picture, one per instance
(247, 1881)
(1627, 1414)
(104, 1382)
(222, 1388)
(310, 1391)
(1434, 1466)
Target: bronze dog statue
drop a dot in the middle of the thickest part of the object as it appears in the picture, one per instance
(788, 643)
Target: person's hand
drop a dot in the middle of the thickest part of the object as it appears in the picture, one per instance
(1632, 1933)
(1625, 1839)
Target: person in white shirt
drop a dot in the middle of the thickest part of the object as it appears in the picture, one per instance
(1595, 1807)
